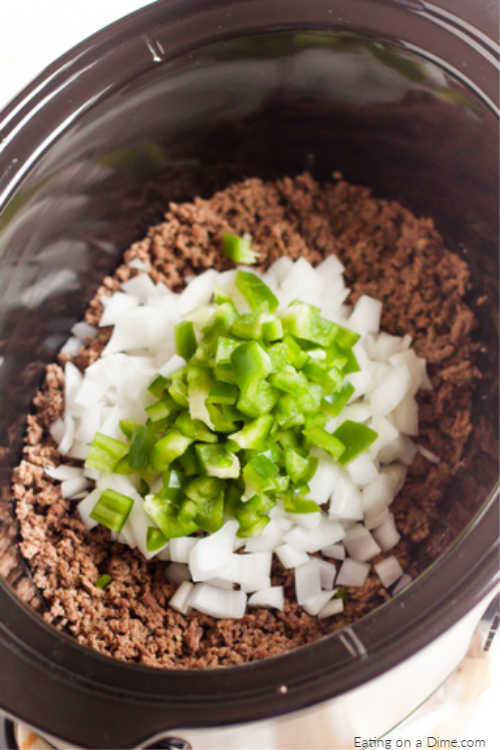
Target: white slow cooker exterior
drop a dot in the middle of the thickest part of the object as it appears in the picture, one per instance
(366, 713)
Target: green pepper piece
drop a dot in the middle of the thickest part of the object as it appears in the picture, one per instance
(140, 447)
(304, 322)
(218, 461)
(355, 437)
(112, 510)
(250, 363)
(105, 453)
(297, 504)
(288, 413)
(157, 387)
(257, 294)
(255, 528)
(168, 448)
(225, 347)
(155, 540)
(194, 428)
(253, 434)
(224, 418)
(238, 249)
(259, 474)
(161, 409)
(296, 465)
(333, 403)
(225, 374)
(185, 339)
(330, 443)
(287, 352)
(210, 514)
(178, 391)
(222, 393)
(258, 399)
(272, 329)
(164, 516)
(189, 463)
(127, 426)
(222, 319)
(102, 581)
(247, 326)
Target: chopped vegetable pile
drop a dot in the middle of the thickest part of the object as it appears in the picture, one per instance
(231, 431)
(242, 413)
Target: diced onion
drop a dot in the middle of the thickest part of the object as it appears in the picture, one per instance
(270, 597)
(388, 570)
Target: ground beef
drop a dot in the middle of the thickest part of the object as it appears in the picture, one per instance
(389, 254)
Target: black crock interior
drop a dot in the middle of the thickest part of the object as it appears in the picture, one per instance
(395, 96)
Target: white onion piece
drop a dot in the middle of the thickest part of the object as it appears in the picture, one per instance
(328, 532)
(217, 602)
(63, 472)
(251, 571)
(325, 477)
(387, 396)
(115, 306)
(177, 573)
(327, 573)
(388, 570)
(83, 331)
(373, 520)
(403, 582)
(140, 286)
(315, 604)
(377, 495)
(213, 552)
(387, 535)
(384, 346)
(362, 470)
(71, 347)
(270, 597)
(180, 600)
(86, 506)
(405, 416)
(180, 548)
(90, 473)
(365, 317)
(335, 551)
(307, 581)
(57, 429)
(72, 381)
(171, 365)
(138, 263)
(305, 520)
(78, 450)
(64, 446)
(290, 557)
(220, 583)
(266, 541)
(163, 554)
(360, 544)
(397, 476)
(72, 487)
(429, 455)
(138, 523)
(330, 267)
(333, 607)
(346, 500)
(352, 573)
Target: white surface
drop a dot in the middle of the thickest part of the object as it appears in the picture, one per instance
(34, 33)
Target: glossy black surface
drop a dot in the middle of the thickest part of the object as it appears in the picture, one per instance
(203, 93)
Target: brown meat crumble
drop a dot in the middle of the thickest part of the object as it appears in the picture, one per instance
(389, 254)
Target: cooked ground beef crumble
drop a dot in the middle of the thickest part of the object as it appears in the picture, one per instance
(389, 254)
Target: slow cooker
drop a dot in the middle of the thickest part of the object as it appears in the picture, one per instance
(399, 95)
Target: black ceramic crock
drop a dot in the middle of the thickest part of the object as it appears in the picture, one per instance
(400, 95)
